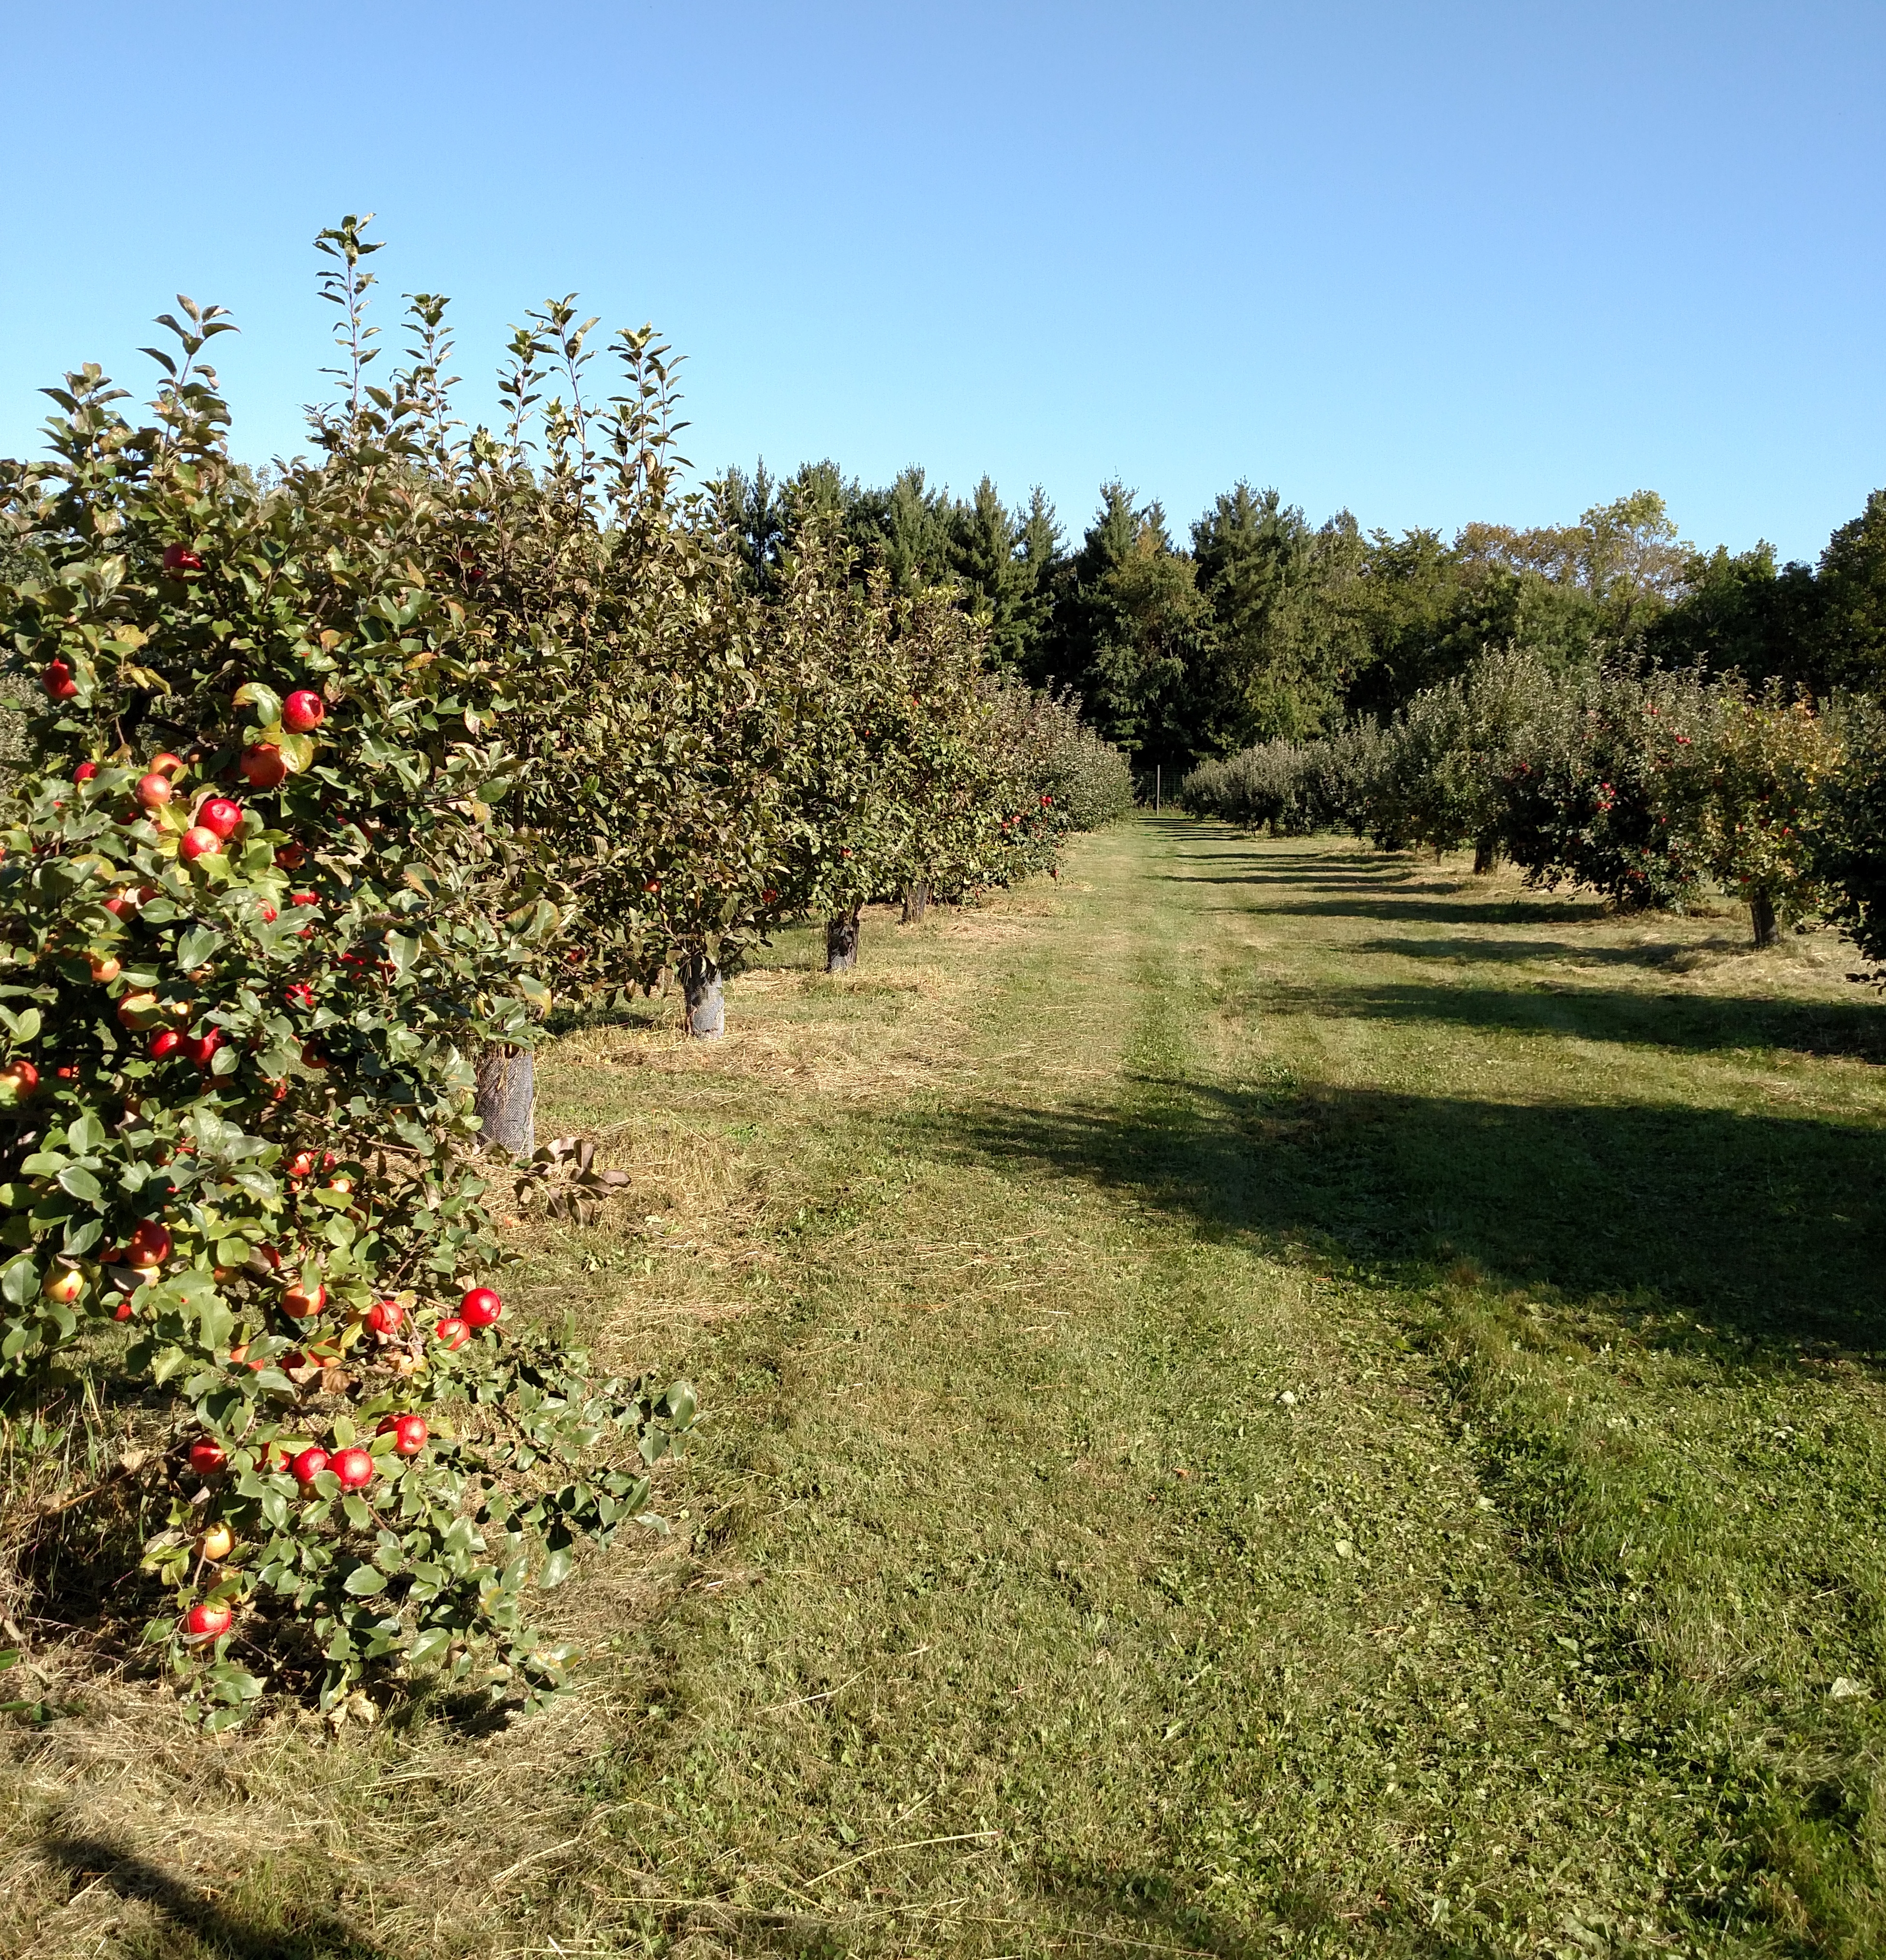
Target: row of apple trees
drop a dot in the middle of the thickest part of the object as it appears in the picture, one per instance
(331, 786)
(1649, 784)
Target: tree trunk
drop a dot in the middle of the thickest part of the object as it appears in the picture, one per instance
(1486, 854)
(842, 942)
(706, 999)
(916, 902)
(1761, 913)
(506, 1099)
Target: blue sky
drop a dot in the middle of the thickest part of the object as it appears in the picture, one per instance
(1431, 262)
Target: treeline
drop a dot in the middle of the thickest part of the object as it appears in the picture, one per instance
(1649, 784)
(1262, 626)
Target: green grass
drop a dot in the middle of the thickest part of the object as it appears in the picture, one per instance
(1265, 1399)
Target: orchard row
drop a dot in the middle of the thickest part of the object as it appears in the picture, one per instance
(336, 784)
(1652, 785)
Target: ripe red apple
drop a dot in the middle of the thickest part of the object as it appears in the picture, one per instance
(19, 1082)
(105, 967)
(262, 765)
(64, 1284)
(303, 711)
(155, 790)
(165, 1043)
(179, 559)
(57, 682)
(291, 857)
(408, 1433)
(170, 765)
(453, 1331)
(199, 842)
(270, 915)
(201, 1049)
(217, 1542)
(308, 1464)
(206, 1620)
(312, 1056)
(122, 1311)
(342, 1187)
(384, 1318)
(301, 1301)
(219, 814)
(304, 898)
(84, 772)
(149, 1245)
(480, 1307)
(301, 1164)
(207, 1456)
(301, 995)
(354, 1467)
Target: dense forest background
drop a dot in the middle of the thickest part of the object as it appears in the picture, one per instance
(1262, 625)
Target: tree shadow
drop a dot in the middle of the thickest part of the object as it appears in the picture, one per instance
(1773, 1226)
(192, 1915)
(1694, 1022)
(1507, 951)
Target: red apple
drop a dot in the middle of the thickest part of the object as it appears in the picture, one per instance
(206, 1620)
(84, 772)
(453, 1331)
(207, 1456)
(263, 766)
(480, 1307)
(57, 682)
(155, 790)
(199, 842)
(304, 898)
(301, 1164)
(301, 995)
(149, 1245)
(354, 1467)
(408, 1433)
(219, 814)
(105, 967)
(303, 710)
(291, 857)
(19, 1082)
(179, 559)
(167, 763)
(308, 1464)
(164, 1043)
(383, 1317)
(64, 1284)
(301, 1301)
(201, 1049)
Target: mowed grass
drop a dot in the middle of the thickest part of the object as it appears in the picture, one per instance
(1266, 1398)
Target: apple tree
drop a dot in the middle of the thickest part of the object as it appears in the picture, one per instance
(258, 911)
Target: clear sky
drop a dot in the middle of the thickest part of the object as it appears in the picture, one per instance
(1431, 262)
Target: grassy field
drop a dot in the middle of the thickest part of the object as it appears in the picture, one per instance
(1263, 1399)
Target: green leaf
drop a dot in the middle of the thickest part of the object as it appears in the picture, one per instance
(262, 698)
(197, 946)
(82, 1185)
(557, 1568)
(84, 1133)
(20, 1280)
(297, 752)
(364, 1581)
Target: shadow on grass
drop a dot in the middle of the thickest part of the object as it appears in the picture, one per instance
(193, 1917)
(1773, 1227)
(1695, 1022)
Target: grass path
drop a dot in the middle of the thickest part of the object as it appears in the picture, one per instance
(1265, 1399)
